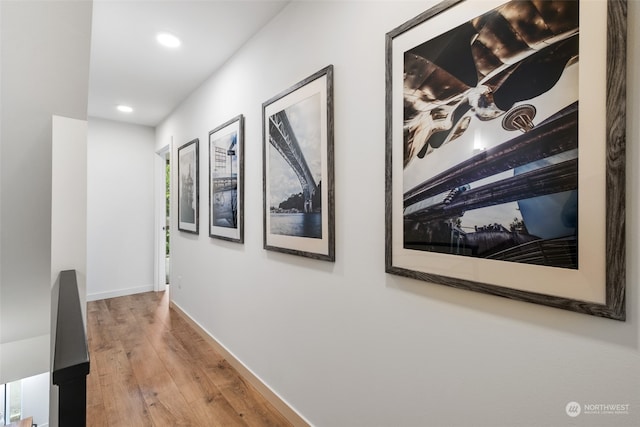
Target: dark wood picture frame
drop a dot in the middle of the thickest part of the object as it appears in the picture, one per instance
(297, 130)
(189, 186)
(226, 182)
(408, 205)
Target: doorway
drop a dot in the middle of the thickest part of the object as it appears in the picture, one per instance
(163, 218)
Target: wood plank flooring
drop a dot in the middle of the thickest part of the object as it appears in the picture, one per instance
(149, 367)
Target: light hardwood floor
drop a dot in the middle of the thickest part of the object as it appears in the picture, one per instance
(150, 368)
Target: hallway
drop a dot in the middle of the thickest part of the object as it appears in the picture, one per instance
(150, 368)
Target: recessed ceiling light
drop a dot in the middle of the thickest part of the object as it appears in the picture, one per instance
(168, 40)
(124, 109)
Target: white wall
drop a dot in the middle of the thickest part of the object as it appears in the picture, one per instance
(45, 71)
(69, 202)
(346, 344)
(120, 258)
(35, 399)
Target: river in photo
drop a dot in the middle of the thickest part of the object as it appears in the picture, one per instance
(297, 224)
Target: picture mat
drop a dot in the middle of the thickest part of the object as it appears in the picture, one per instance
(228, 232)
(321, 245)
(189, 149)
(588, 282)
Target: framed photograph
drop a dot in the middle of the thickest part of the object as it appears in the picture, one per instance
(226, 181)
(188, 187)
(505, 155)
(297, 161)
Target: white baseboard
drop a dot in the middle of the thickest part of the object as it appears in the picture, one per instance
(119, 292)
(271, 396)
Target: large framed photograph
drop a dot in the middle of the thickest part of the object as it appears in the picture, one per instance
(298, 168)
(505, 156)
(188, 187)
(226, 181)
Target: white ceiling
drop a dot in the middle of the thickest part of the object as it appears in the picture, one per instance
(129, 67)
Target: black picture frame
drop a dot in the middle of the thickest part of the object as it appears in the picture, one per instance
(226, 181)
(189, 186)
(430, 198)
(298, 169)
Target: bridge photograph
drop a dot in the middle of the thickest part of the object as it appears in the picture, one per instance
(295, 170)
(297, 156)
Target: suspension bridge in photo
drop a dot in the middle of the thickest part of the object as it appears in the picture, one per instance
(281, 136)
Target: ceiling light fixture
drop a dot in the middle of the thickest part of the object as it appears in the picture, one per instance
(168, 40)
(124, 109)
